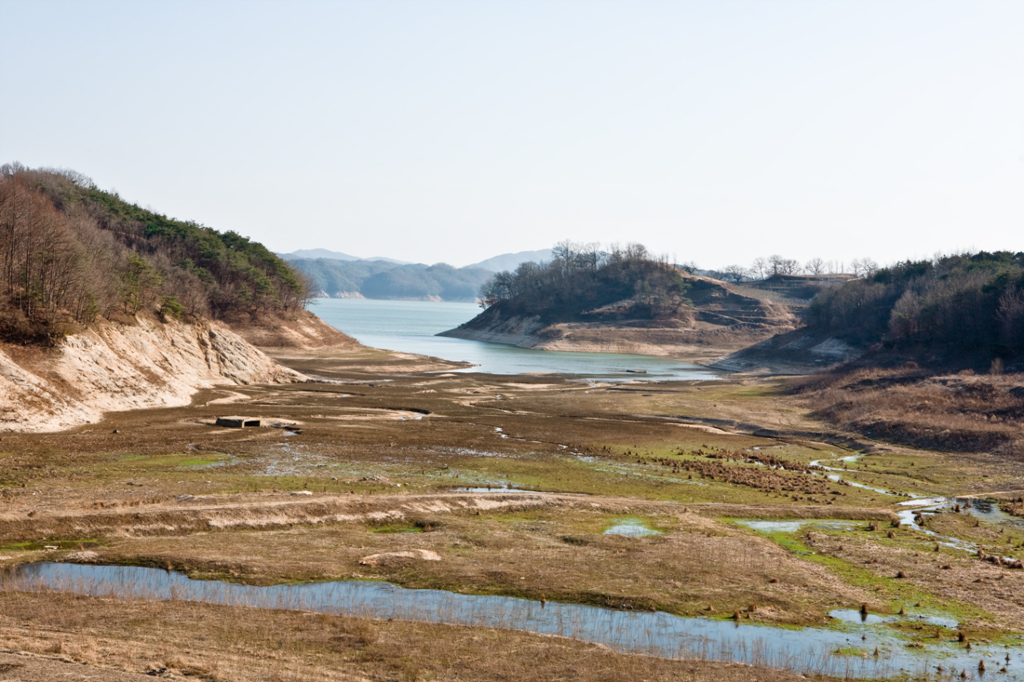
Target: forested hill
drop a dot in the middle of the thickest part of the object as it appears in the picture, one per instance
(963, 308)
(622, 301)
(70, 252)
(580, 281)
(388, 280)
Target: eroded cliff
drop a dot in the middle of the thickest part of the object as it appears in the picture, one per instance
(115, 366)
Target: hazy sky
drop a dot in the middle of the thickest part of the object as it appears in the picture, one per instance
(431, 130)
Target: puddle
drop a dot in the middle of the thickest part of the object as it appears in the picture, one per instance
(633, 528)
(494, 489)
(774, 526)
(290, 459)
(810, 650)
(986, 510)
(794, 526)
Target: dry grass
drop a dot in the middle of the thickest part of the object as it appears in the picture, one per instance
(963, 412)
(990, 597)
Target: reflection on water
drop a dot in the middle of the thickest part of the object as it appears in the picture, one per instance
(794, 526)
(810, 650)
(634, 528)
(411, 327)
(855, 616)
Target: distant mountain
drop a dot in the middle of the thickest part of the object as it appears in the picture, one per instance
(422, 282)
(334, 255)
(511, 261)
(384, 280)
(337, 278)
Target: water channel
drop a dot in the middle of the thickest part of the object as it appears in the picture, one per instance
(918, 508)
(845, 652)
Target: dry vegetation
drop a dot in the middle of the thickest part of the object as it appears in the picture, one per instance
(71, 252)
(964, 412)
(385, 459)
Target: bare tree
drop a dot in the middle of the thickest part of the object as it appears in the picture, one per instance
(760, 268)
(815, 266)
(736, 273)
(863, 267)
(783, 266)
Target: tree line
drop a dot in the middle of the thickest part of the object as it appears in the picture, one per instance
(70, 252)
(763, 268)
(968, 302)
(582, 277)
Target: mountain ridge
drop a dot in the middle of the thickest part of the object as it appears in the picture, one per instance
(327, 254)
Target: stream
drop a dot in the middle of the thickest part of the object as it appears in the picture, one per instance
(847, 652)
(921, 507)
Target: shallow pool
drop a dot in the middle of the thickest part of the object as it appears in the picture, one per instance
(844, 653)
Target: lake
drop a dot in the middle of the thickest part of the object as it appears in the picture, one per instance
(411, 326)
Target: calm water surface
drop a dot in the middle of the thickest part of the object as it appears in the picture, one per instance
(411, 327)
(846, 652)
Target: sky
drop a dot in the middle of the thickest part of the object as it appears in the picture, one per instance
(713, 132)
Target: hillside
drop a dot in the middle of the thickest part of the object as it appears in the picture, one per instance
(629, 303)
(71, 252)
(386, 280)
(956, 312)
(105, 306)
(331, 278)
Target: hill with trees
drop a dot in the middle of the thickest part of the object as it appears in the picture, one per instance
(71, 252)
(953, 312)
(106, 306)
(969, 304)
(579, 280)
(621, 300)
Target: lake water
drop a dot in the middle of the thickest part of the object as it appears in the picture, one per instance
(411, 327)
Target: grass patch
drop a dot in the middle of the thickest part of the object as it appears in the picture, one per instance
(899, 593)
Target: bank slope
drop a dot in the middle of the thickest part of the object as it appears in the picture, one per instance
(112, 367)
